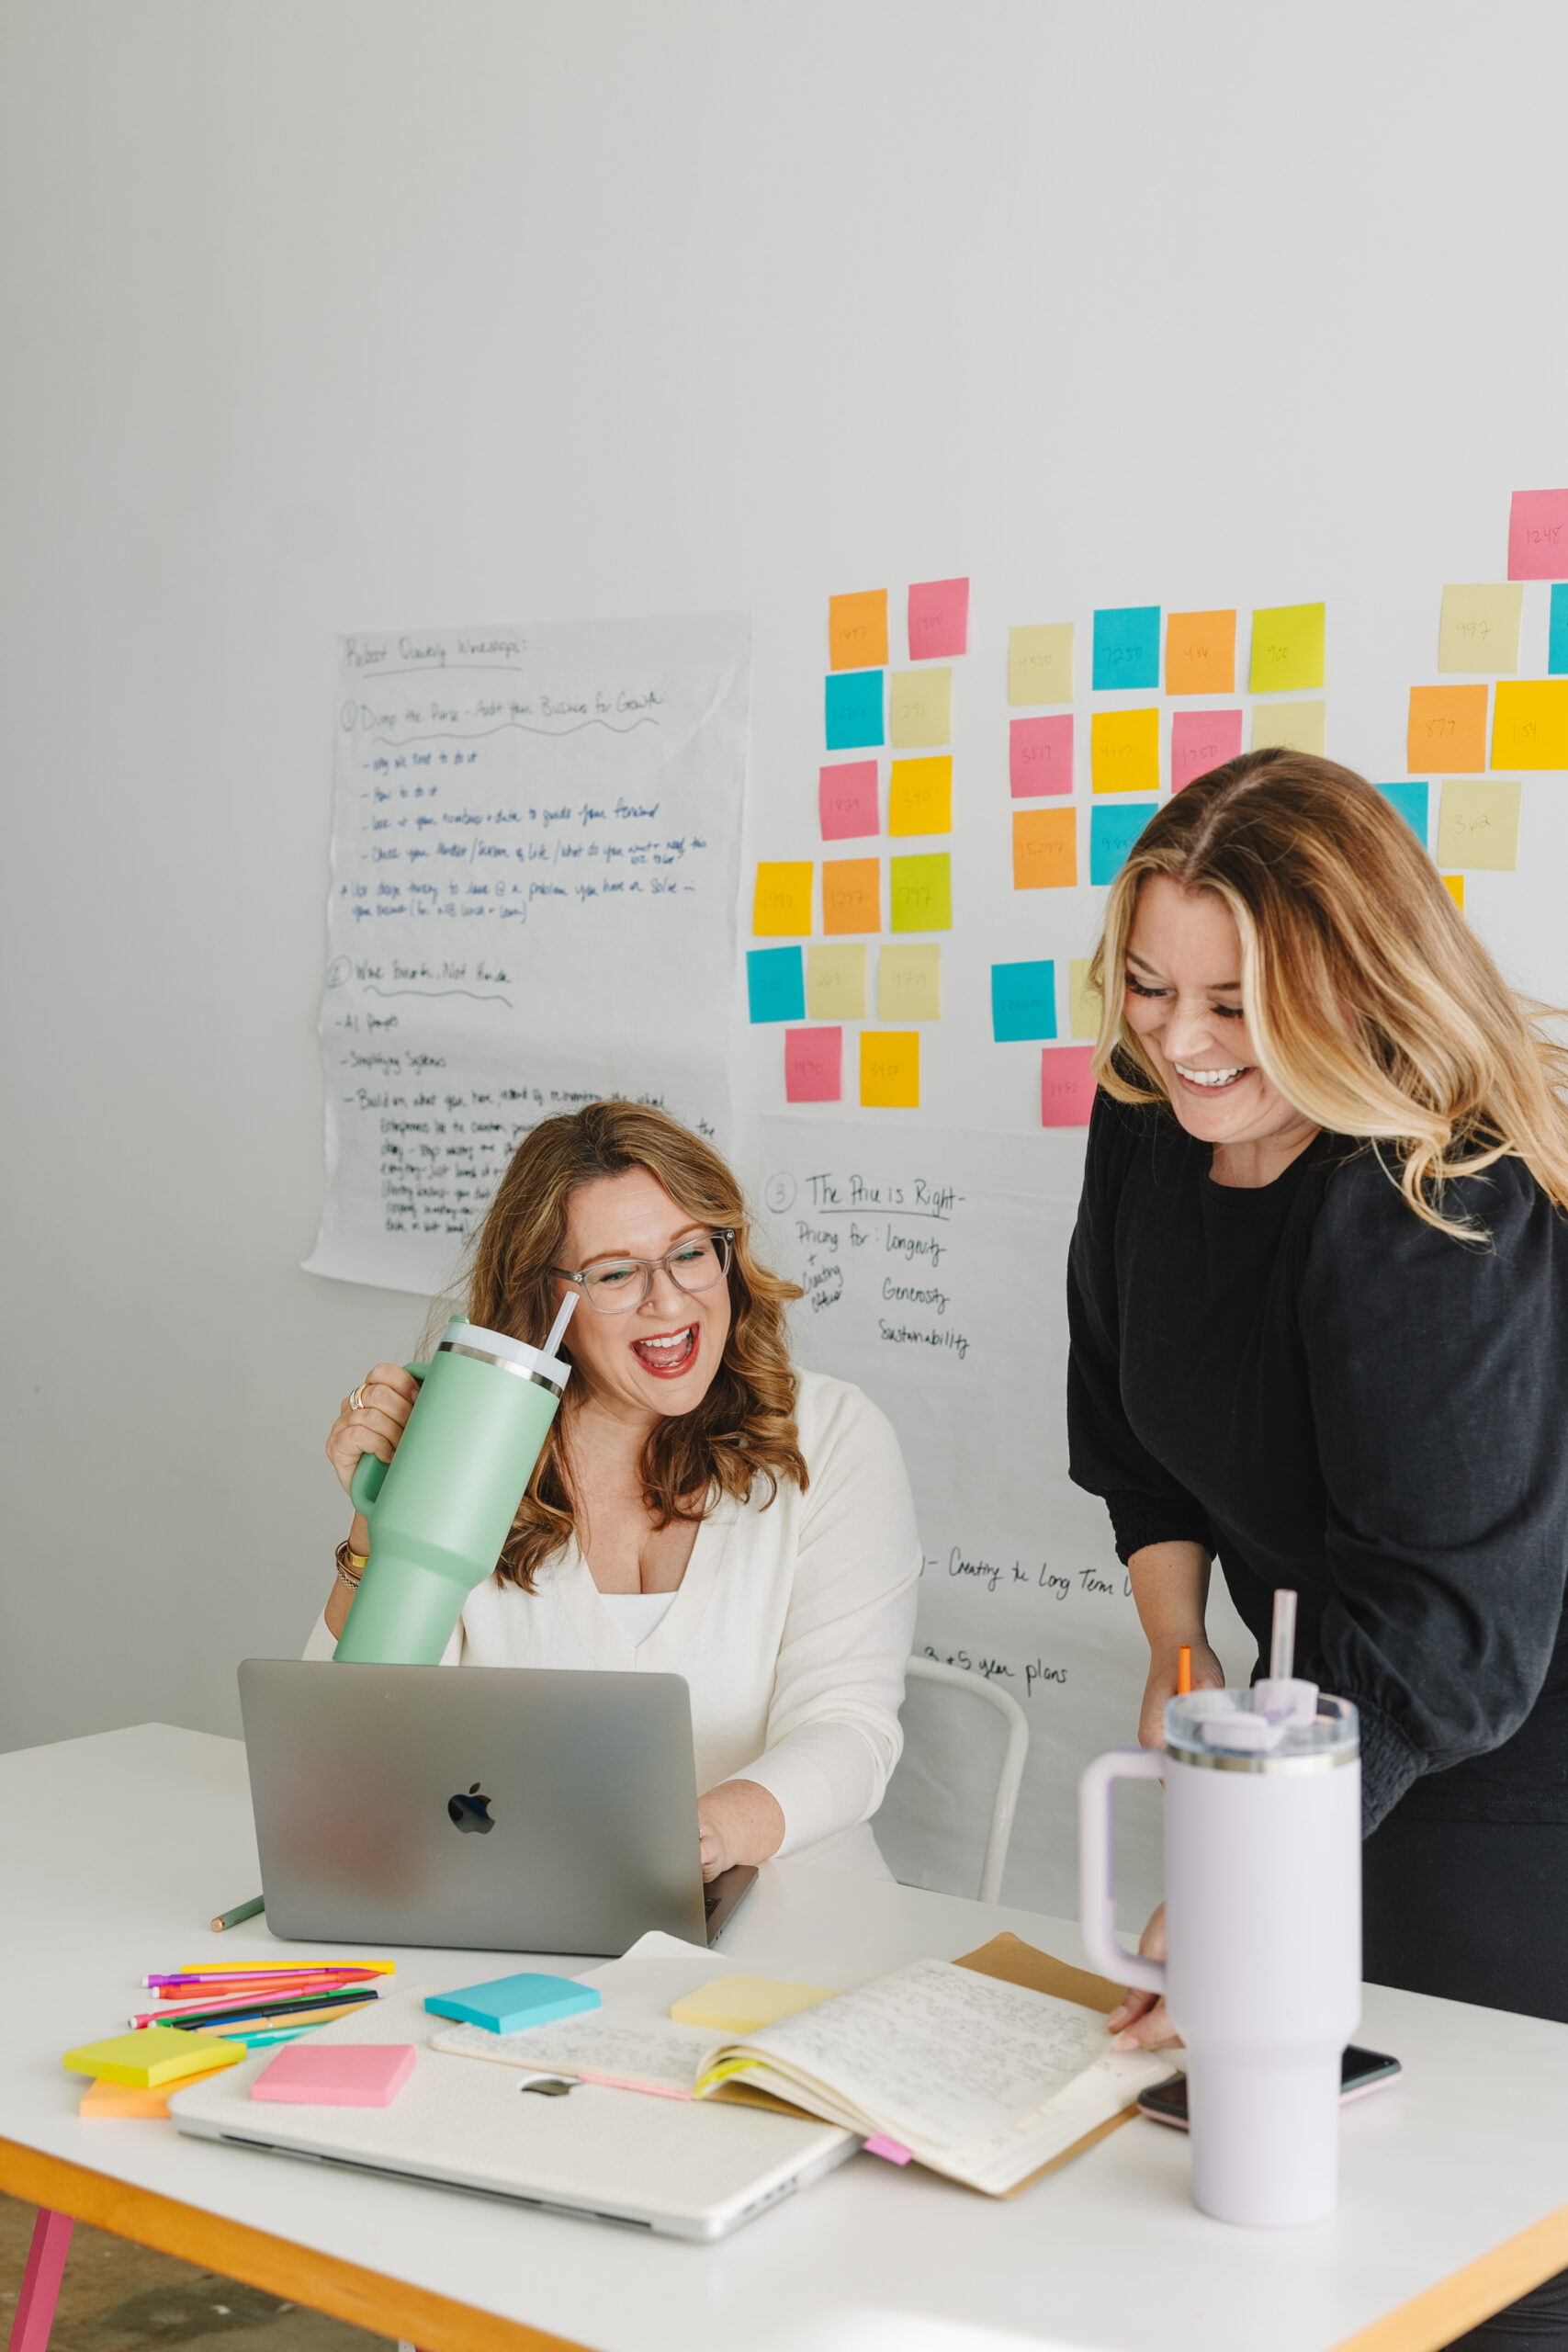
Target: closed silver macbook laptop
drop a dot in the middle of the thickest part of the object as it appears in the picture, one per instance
(496, 1808)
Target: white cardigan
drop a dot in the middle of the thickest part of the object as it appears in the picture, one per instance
(791, 1626)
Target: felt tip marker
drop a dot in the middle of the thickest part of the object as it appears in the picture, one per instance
(1183, 1670)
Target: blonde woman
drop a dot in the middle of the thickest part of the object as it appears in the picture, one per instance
(700, 1508)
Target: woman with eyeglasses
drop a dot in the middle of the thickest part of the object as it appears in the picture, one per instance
(700, 1508)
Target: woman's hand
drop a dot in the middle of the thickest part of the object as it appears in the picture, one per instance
(374, 1426)
(1142, 2022)
(740, 1821)
(1208, 1674)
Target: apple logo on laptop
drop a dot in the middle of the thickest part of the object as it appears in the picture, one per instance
(470, 1812)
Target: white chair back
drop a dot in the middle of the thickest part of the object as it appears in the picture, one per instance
(972, 1689)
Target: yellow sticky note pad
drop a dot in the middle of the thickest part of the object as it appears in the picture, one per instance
(909, 983)
(744, 2004)
(1478, 822)
(158, 2055)
(923, 892)
(781, 906)
(1287, 648)
(1084, 1001)
(835, 983)
(1530, 726)
(1123, 750)
(920, 708)
(1040, 663)
(1480, 627)
(920, 795)
(890, 1070)
(1298, 726)
(857, 630)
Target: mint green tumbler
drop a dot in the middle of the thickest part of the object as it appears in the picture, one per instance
(440, 1512)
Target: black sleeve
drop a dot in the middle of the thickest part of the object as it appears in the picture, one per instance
(1146, 1504)
(1440, 1384)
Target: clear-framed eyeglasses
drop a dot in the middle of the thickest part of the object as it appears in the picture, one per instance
(618, 1284)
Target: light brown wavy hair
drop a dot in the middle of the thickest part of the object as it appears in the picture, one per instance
(1372, 1004)
(743, 1430)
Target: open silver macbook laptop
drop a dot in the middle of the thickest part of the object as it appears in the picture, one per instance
(505, 1808)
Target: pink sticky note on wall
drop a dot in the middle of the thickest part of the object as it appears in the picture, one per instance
(1067, 1086)
(814, 1061)
(846, 800)
(1538, 535)
(1202, 740)
(939, 619)
(346, 2074)
(1040, 755)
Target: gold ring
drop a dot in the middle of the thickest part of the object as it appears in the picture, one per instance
(356, 1398)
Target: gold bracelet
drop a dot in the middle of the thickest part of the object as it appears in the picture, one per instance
(351, 1565)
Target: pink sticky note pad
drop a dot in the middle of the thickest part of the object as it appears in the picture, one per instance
(939, 619)
(893, 2151)
(846, 800)
(1067, 1086)
(346, 2074)
(1202, 740)
(814, 1062)
(1040, 755)
(1538, 535)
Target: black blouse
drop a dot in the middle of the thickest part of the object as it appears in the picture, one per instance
(1310, 1381)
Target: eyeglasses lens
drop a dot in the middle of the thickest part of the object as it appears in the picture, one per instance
(696, 1265)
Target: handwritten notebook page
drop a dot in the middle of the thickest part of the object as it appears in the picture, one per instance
(663, 2059)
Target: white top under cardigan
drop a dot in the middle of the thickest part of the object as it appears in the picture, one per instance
(791, 1626)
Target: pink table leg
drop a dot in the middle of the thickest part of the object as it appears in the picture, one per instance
(41, 2281)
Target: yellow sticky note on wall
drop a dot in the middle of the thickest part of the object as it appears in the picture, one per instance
(857, 630)
(920, 708)
(1287, 648)
(1480, 627)
(1530, 726)
(745, 2004)
(890, 1070)
(1299, 726)
(923, 892)
(1123, 750)
(1084, 1001)
(835, 983)
(1454, 885)
(1040, 663)
(780, 906)
(909, 983)
(920, 795)
(1478, 823)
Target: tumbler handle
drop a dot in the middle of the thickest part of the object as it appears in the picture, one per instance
(370, 1470)
(1097, 1866)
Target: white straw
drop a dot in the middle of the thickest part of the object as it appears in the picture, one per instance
(1282, 1644)
(562, 1320)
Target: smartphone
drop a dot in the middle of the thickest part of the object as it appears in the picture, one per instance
(1360, 2071)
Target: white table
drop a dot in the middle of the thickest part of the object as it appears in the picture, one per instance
(114, 1852)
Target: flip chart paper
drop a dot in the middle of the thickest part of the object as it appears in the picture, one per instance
(1044, 849)
(1200, 654)
(1447, 732)
(1454, 885)
(1287, 648)
(1039, 663)
(1113, 830)
(921, 708)
(1478, 629)
(1530, 727)
(852, 710)
(1126, 648)
(1557, 632)
(774, 987)
(814, 1065)
(1202, 740)
(511, 805)
(1084, 1001)
(1478, 823)
(1299, 726)
(852, 895)
(1411, 800)
(835, 983)
(846, 800)
(909, 983)
(1067, 1086)
(1123, 750)
(923, 892)
(890, 1070)
(920, 795)
(1538, 535)
(1023, 1001)
(781, 904)
(939, 619)
(1040, 755)
(857, 630)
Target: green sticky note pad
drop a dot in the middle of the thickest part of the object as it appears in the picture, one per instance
(159, 2054)
(923, 892)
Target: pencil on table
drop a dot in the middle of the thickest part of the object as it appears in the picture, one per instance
(241, 1911)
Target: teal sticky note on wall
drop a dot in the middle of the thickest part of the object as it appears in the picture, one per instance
(1023, 1001)
(1557, 635)
(1413, 801)
(852, 709)
(1126, 648)
(775, 984)
(1112, 829)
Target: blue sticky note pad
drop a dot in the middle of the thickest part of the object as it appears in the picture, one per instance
(1557, 634)
(1126, 648)
(775, 984)
(852, 710)
(1111, 833)
(1411, 800)
(1023, 1001)
(512, 2004)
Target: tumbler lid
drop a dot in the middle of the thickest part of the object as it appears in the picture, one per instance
(1276, 1726)
(465, 1338)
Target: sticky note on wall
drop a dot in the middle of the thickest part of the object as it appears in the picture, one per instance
(1538, 535)
(846, 800)
(1557, 633)
(781, 904)
(1040, 663)
(890, 1070)
(1202, 740)
(923, 892)
(1411, 799)
(1084, 999)
(851, 711)
(1478, 822)
(939, 619)
(1067, 1086)
(1287, 648)
(835, 983)
(1530, 727)
(1113, 830)
(1123, 750)
(1200, 654)
(1040, 755)
(852, 895)
(920, 796)
(1447, 730)
(1295, 726)
(1479, 630)
(774, 987)
(814, 1062)
(921, 708)
(1044, 849)
(857, 630)
(909, 983)
(1126, 648)
(1023, 1001)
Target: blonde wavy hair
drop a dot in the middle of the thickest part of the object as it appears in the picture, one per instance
(744, 1428)
(1372, 1006)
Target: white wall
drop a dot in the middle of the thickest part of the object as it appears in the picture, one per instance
(327, 314)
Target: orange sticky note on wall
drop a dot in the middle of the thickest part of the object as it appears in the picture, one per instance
(890, 1070)
(1530, 727)
(1200, 654)
(1447, 735)
(781, 906)
(1123, 750)
(1044, 849)
(857, 630)
(852, 894)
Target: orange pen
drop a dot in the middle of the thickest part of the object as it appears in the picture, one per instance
(1183, 1670)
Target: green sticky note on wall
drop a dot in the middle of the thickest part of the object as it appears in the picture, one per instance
(923, 892)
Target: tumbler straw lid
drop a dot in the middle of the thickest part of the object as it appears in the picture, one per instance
(540, 1364)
